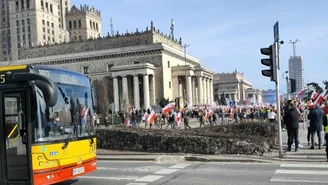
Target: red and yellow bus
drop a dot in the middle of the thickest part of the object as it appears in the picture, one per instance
(47, 125)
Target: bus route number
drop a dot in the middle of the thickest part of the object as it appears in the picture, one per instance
(2, 78)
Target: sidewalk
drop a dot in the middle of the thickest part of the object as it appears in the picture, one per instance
(303, 155)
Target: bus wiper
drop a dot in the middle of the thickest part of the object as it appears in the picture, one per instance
(66, 142)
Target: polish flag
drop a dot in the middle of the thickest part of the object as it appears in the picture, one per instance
(301, 92)
(178, 119)
(151, 117)
(244, 102)
(206, 116)
(127, 123)
(145, 117)
(314, 95)
(168, 108)
(325, 97)
(210, 112)
(320, 98)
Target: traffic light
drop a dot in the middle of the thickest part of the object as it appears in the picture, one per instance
(292, 85)
(271, 62)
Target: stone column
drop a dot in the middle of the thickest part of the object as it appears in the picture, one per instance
(125, 90)
(193, 86)
(189, 90)
(211, 91)
(116, 96)
(207, 91)
(136, 94)
(146, 91)
(200, 90)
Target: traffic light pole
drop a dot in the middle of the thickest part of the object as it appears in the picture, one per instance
(276, 58)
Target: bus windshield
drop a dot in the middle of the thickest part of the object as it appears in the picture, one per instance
(71, 117)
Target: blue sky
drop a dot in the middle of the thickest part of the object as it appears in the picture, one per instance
(228, 34)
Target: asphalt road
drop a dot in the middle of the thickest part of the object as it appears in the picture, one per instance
(187, 173)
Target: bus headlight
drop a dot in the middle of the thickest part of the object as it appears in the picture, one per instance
(39, 157)
(40, 163)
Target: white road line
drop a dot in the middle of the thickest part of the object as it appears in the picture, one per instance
(166, 171)
(304, 165)
(297, 180)
(180, 166)
(302, 172)
(136, 183)
(108, 178)
(149, 178)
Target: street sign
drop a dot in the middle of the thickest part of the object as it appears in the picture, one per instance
(112, 106)
(276, 32)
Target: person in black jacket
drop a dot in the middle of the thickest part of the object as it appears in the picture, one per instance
(325, 124)
(316, 121)
(291, 118)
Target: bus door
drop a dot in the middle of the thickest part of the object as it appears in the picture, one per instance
(15, 152)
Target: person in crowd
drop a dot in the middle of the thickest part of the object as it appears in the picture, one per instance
(316, 118)
(291, 119)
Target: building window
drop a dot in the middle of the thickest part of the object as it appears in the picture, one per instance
(80, 37)
(17, 6)
(80, 24)
(23, 22)
(90, 24)
(22, 4)
(136, 62)
(43, 22)
(53, 32)
(48, 31)
(44, 37)
(17, 23)
(53, 39)
(51, 8)
(23, 29)
(47, 7)
(74, 24)
(75, 37)
(70, 24)
(29, 36)
(109, 66)
(52, 25)
(18, 38)
(44, 30)
(42, 7)
(27, 4)
(168, 64)
(97, 26)
(28, 21)
(18, 31)
(47, 23)
(170, 84)
(85, 70)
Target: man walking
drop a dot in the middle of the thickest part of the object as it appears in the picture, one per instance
(292, 125)
(316, 121)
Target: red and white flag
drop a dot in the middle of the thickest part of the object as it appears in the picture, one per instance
(168, 108)
(301, 92)
(314, 95)
(320, 97)
(244, 102)
(127, 123)
(151, 117)
(145, 117)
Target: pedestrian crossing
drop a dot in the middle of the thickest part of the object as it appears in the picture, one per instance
(315, 173)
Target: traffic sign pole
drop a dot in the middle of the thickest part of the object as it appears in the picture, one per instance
(276, 58)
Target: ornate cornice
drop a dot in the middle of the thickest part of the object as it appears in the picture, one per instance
(99, 57)
(179, 57)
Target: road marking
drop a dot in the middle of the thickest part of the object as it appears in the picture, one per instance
(297, 180)
(304, 165)
(180, 166)
(135, 183)
(302, 172)
(149, 178)
(166, 171)
(108, 178)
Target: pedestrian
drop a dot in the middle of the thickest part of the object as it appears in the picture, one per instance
(186, 122)
(316, 118)
(325, 124)
(291, 118)
(271, 116)
(307, 122)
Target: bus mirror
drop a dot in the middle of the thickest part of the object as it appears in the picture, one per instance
(48, 88)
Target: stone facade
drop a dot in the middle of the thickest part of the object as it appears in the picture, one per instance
(36, 22)
(236, 88)
(223, 139)
(83, 23)
(145, 67)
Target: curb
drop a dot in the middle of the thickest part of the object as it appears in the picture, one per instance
(202, 159)
(124, 159)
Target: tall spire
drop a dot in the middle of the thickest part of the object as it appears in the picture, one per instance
(294, 45)
(172, 29)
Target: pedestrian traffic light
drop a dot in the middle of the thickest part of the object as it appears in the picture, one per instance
(271, 62)
(292, 85)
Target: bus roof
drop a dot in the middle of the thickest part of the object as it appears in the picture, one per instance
(56, 74)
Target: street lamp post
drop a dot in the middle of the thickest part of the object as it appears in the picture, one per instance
(185, 58)
(286, 77)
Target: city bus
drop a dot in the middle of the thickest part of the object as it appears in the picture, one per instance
(47, 125)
